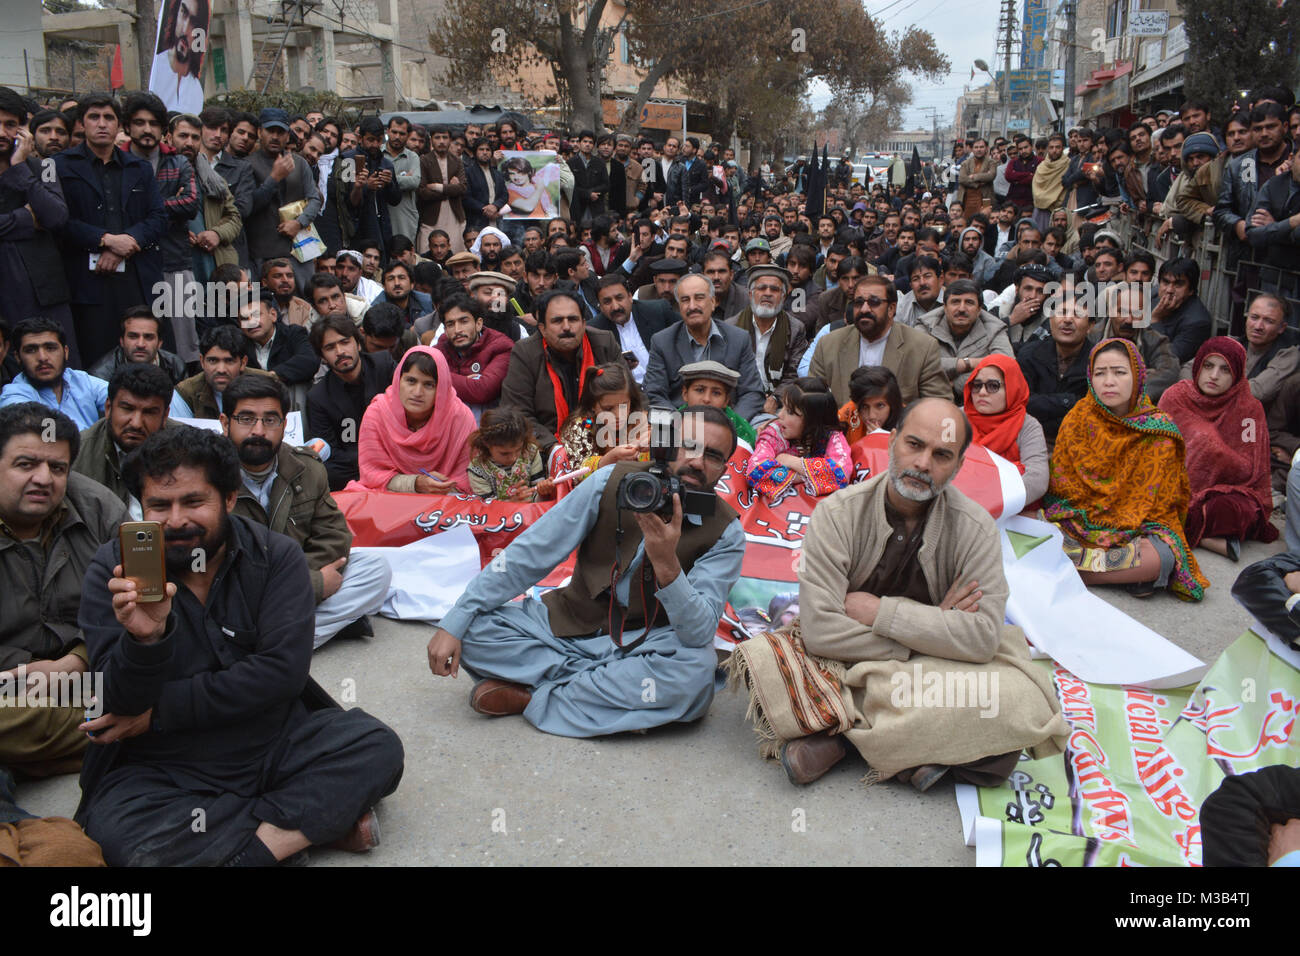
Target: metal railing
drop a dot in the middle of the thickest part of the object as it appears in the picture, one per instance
(1226, 285)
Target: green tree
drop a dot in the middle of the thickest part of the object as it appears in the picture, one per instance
(484, 39)
(1237, 44)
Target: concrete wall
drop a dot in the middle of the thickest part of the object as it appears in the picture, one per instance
(22, 34)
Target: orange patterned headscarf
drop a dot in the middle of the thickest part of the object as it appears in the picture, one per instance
(1116, 478)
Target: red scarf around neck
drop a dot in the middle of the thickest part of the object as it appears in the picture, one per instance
(561, 404)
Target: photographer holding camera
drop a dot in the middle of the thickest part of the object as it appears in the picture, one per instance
(590, 657)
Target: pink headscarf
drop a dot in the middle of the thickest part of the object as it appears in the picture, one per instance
(388, 447)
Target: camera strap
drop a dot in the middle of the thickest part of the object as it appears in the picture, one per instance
(617, 613)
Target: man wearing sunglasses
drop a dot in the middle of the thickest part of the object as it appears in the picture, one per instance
(627, 644)
(287, 489)
(875, 339)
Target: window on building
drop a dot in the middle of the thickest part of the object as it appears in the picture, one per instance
(1116, 18)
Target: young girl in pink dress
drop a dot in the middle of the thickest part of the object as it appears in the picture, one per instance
(804, 445)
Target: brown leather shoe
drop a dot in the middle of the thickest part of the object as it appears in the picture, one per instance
(363, 837)
(807, 758)
(927, 775)
(499, 698)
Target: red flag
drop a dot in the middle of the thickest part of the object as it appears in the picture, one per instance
(116, 80)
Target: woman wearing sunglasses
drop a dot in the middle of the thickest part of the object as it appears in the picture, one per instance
(996, 397)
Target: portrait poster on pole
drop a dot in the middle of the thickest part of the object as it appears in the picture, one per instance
(178, 54)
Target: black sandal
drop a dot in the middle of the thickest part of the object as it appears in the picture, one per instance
(1141, 589)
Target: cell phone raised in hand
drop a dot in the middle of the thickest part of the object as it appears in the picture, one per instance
(143, 559)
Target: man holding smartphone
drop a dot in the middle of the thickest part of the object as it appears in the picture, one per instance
(210, 714)
(31, 206)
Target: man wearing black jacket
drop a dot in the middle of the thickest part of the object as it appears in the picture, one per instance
(689, 177)
(485, 187)
(275, 346)
(634, 322)
(31, 207)
(1057, 368)
(125, 232)
(210, 715)
(590, 179)
(1178, 313)
(337, 402)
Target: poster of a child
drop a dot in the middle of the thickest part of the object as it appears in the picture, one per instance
(532, 184)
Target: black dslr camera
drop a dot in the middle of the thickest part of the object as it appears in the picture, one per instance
(651, 491)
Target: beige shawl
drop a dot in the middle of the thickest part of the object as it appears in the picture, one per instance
(1048, 191)
(895, 668)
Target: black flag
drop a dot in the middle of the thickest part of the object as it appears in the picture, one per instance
(915, 176)
(816, 186)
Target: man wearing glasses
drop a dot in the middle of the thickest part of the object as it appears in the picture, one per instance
(876, 339)
(627, 644)
(287, 489)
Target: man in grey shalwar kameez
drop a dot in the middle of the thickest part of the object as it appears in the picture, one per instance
(554, 660)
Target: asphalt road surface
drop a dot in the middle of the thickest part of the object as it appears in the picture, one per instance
(494, 791)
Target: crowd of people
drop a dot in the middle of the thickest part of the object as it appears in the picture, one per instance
(440, 323)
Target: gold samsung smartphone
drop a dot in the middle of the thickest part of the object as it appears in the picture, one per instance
(143, 558)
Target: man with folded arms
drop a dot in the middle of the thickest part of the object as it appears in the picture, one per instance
(902, 581)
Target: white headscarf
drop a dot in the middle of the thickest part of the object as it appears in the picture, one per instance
(493, 231)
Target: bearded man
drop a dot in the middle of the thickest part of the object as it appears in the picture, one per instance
(901, 597)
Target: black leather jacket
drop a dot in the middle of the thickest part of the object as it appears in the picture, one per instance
(1261, 591)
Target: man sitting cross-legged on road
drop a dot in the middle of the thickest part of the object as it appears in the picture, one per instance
(555, 661)
(210, 713)
(901, 595)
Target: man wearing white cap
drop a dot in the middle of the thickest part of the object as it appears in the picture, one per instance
(348, 264)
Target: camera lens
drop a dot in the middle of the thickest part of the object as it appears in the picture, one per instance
(641, 492)
(139, 536)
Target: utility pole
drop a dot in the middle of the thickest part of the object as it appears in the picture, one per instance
(1006, 41)
(1070, 8)
(146, 39)
(934, 140)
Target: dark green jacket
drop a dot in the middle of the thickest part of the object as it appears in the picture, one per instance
(97, 458)
(301, 507)
(199, 397)
(39, 605)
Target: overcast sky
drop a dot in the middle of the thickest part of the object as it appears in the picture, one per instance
(964, 31)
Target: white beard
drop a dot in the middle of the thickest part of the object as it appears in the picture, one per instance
(765, 312)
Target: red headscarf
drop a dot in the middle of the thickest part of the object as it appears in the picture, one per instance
(388, 447)
(1000, 433)
(1226, 435)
